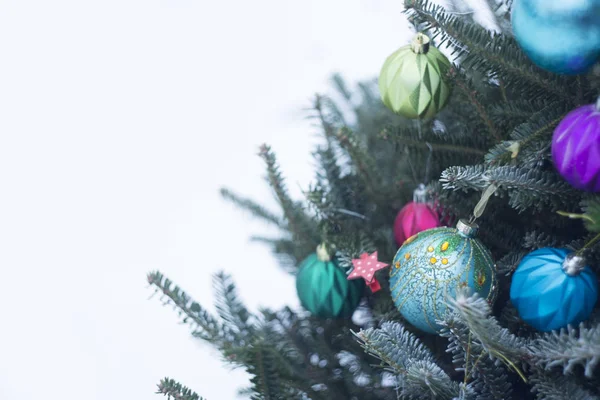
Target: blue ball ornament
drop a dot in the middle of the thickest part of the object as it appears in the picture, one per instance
(552, 288)
(561, 36)
(433, 266)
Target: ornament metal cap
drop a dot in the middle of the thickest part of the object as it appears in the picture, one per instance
(598, 104)
(322, 253)
(573, 264)
(420, 194)
(420, 44)
(466, 228)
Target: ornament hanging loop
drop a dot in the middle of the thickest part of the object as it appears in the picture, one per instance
(485, 197)
(428, 162)
(412, 167)
(587, 246)
(591, 242)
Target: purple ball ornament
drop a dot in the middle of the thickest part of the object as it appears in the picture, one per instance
(576, 147)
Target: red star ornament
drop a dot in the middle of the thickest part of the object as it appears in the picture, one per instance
(365, 267)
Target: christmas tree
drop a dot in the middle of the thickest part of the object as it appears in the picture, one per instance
(484, 144)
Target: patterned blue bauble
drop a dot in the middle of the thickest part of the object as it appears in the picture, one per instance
(553, 288)
(561, 36)
(433, 266)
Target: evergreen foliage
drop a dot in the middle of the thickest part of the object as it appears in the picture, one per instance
(496, 130)
(176, 391)
(413, 364)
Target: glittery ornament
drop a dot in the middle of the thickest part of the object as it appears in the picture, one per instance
(560, 36)
(552, 288)
(576, 148)
(323, 288)
(433, 266)
(365, 268)
(413, 81)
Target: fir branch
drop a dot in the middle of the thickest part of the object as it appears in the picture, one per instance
(341, 87)
(276, 181)
(266, 381)
(300, 225)
(284, 249)
(394, 345)
(490, 379)
(361, 160)
(529, 138)
(176, 391)
(369, 95)
(591, 216)
(516, 111)
(569, 348)
(491, 53)
(452, 143)
(536, 240)
(229, 307)
(408, 357)
(424, 379)
(510, 318)
(205, 325)
(498, 342)
(254, 208)
(466, 86)
(502, 153)
(467, 392)
(334, 192)
(527, 188)
(465, 178)
(436, 146)
(550, 387)
(321, 103)
(539, 124)
(507, 264)
(330, 171)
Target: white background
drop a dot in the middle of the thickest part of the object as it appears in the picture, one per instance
(119, 122)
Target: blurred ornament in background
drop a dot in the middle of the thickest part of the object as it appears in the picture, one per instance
(323, 288)
(560, 36)
(434, 266)
(416, 216)
(552, 288)
(413, 81)
(365, 267)
(576, 147)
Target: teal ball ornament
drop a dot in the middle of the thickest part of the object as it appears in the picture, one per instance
(323, 287)
(433, 266)
(552, 288)
(560, 36)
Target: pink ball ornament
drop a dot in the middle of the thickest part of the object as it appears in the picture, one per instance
(576, 148)
(415, 217)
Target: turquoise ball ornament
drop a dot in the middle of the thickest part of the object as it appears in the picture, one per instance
(552, 288)
(433, 266)
(323, 287)
(561, 36)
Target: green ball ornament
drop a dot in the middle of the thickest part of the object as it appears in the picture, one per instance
(324, 289)
(433, 266)
(414, 80)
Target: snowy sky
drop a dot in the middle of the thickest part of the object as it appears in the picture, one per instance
(119, 121)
